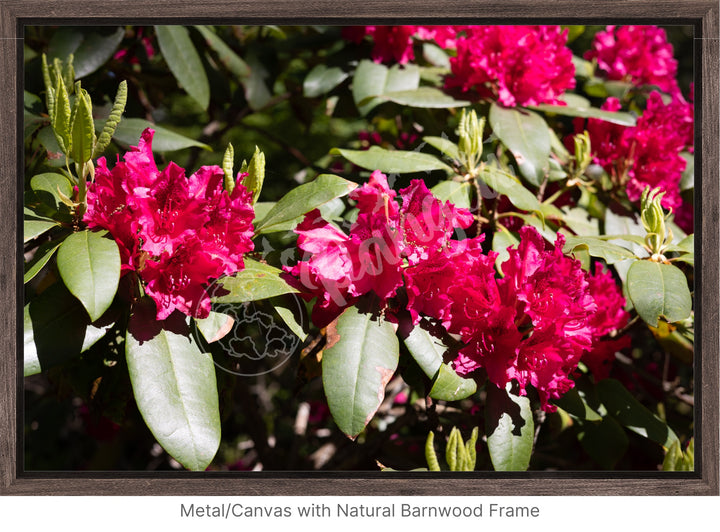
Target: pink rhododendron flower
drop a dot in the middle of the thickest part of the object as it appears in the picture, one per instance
(393, 44)
(340, 268)
(531, 326)
(640, 55)
(609, 318)
(516, 65)
(177, 233)
(647, 154)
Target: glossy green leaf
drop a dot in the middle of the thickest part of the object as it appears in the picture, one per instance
(372, 79)
(658, 290)
(322, 79)
(95, 50)
(42, 255)
(359, 360)
(630, 413)
(455, 192)
(687, 181)
(510, 186)
(52, 183)
(174, 386)
(233, 62)
(89, 265)
(214, 326)
(444, 145)
(605, 441)
(128, 132)
(575, 405)
(56, 330)
(256, 281)
(597, 247)
(184, 62)
(303, 199)
(33, 228)
(392, 161)
(424, 97)
(509, 426)
(526, 135)
(623, 119)
(428, 352)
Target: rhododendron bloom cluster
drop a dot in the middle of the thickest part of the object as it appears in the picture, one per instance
(647, 154)
(516, 65)
(640, 55)
(384, 239)
(176, 232)
(533, 325)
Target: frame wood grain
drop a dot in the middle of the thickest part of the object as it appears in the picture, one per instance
(701, 14)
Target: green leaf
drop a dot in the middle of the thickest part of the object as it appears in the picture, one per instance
(605, 441)
(256, 281)
(511, 187)
(129, 130)
(430, 454)
(455, 192)
(303, 199)
(34, 228)
(42, 255)
(56, 330)
(623, 119)
(687, 181)
(226, 55)
(294, 316)
(52, 183)
(215, 326)
(372, 79)
(95, 50)
(444, 145)
(630, 413)
(112, 121)
(597, 247)
(321, 80)
(424, 97)
(575, 405)
(392, 161)
(658, 290)
(428, 352)
(174, 386)
(509, 427)
(83, 128)
(90, 267)
(359, 360)
(526, 135)
(184, 62)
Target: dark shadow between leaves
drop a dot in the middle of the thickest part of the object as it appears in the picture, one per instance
(144, 326)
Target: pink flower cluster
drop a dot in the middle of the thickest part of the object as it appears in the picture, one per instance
(177, 233)
(532, 325)
(394, 44)
(640, 55)
(381, 242)
(516, 65)
(647, 154)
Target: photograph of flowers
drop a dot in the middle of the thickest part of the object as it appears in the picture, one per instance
(358, 248)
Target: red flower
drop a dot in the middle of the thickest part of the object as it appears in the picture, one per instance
(640, 55)
(516, 65)
(647, 154)
(177, 233)
(392, 43)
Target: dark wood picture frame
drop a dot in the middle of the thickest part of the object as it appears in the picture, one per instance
(701, 14)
